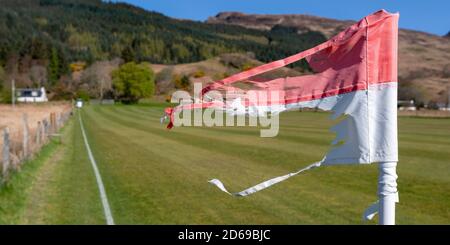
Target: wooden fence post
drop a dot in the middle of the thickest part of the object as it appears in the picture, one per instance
(44, 126)
(52, 122)
(42, 132)
(58, 121)
(38, 134)
(25, 137)
(5, 154)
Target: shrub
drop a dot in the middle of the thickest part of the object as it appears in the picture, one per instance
(81, 94)
(246, 66)
(6, 96)
(198, 74)
(133, 82)
(181, 82)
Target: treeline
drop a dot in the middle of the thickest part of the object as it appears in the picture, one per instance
(56, 33)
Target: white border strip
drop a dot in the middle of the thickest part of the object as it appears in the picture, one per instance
(101, 188)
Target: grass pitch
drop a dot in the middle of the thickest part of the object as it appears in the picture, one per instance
(155, 176)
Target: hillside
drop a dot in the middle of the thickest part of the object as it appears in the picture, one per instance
(210, 70)
(50, 35)
(69, 45)
(424, 59)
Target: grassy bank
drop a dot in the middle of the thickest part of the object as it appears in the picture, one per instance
(57, 187)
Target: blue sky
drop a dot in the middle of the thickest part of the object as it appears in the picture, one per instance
(424, 15)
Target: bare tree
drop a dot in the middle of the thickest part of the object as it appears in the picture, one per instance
(97, 77)
(38, 74)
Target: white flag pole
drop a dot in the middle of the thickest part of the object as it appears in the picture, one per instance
(387, 192)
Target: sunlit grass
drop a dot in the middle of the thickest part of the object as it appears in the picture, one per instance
(156, 176)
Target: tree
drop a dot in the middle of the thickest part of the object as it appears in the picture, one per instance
(128, 54)
(5, 91)
(181, 82)
(133, 82)
(62, 91)
(98, 78)
(2, 75)
(2, 78)
(38, 75)
(53, 66)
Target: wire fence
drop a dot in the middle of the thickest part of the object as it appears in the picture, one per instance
(23, 144)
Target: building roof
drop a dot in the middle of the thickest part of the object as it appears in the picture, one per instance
(30, 92)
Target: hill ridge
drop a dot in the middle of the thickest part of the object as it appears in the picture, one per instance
(424, 58)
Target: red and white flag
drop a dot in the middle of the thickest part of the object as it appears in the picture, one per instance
(355, 74)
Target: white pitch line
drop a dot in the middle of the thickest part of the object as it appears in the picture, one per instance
(101, 187)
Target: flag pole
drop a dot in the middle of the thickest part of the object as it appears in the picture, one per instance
(387, 192)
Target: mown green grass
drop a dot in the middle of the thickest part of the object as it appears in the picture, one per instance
(156, 176)
(57, 187)
(14, 193)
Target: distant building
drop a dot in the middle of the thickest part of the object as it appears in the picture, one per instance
(443, 106)
(406, 105)
(31, 95)
(79, 103)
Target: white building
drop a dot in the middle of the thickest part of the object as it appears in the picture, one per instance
(31, 95)
(406, 105)
(443, 106)
(79, 103)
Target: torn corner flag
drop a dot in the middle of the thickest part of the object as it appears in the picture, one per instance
(355, 74)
